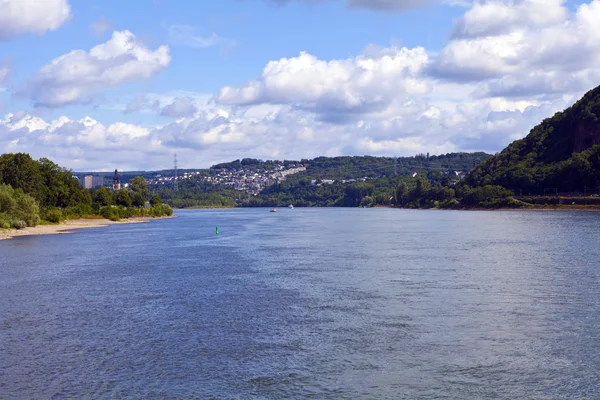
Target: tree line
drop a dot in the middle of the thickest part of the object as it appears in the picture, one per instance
(39, 190)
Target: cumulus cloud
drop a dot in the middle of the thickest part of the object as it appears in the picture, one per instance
(30, 16)
(168, 106)
(499, 17)
(336, 89)
(84, 143)
(181, 107)
(219, 134)
(76, 76)
(537, 48)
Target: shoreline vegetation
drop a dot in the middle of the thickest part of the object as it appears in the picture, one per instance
(70, 226)
(531, 207)
(41, 193)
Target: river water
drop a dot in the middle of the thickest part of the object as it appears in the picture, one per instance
(306, 303)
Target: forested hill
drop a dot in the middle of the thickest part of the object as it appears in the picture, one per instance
(561, 154)
(323, 181)
(352, 167)
(372, 167)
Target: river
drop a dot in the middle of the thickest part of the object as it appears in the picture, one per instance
(306, 303)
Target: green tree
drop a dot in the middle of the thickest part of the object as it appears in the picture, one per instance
(123, 198)
(103, 197)
(20, 171)
(138, 186)
(138, 199)
(155, 200)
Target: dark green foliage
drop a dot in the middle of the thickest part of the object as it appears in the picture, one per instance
(155, 200)
(123, 198)
(196, 193)
(339, 168)
(46, 182)
(103, 197)
(138, 200)
(562, 154)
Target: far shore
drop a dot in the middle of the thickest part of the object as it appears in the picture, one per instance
(69, 226)
(564, 207)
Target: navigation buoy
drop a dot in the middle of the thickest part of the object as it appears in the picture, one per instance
(217, 230)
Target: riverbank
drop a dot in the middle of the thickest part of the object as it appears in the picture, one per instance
(69, 226)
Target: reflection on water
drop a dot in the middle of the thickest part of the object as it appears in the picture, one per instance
(318, 303)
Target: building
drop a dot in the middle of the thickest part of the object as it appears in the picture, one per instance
(92, 181)
(116, 182)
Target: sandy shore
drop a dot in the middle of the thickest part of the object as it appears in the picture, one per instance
(67, 227)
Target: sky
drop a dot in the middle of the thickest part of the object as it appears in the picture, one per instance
(97, 85)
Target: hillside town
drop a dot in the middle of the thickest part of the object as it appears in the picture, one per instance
(249, 180)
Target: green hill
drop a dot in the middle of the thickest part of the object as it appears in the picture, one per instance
(562, 154)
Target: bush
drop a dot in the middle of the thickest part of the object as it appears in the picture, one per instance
(5, 221)
(162, 210)
(77, 211)
(53, 215)
(110, 213)
(18, 209)
(18, 224)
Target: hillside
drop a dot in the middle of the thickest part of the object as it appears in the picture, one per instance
(323, 181)
(562, 154)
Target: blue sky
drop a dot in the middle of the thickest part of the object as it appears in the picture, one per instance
(112, 84)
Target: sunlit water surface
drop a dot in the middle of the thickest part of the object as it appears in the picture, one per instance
(306, 303)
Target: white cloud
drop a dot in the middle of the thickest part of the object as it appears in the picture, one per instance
(83, 144)
(220, 134)
(176, 105)
(527, 48)
(336, 89)
(77, 75)
(180, 107)
(498, 17)
(32, 16)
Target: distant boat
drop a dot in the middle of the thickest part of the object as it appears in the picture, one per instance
(273, 210)
(291, 206)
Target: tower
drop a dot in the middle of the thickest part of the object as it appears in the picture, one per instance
(116, 182)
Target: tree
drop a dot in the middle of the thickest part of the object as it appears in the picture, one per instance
(103, 197)
(138, 199)
(138, 186)
(22, 172)
(123, 198)
(155, 200)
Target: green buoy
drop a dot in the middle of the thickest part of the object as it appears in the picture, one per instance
(217, 230)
